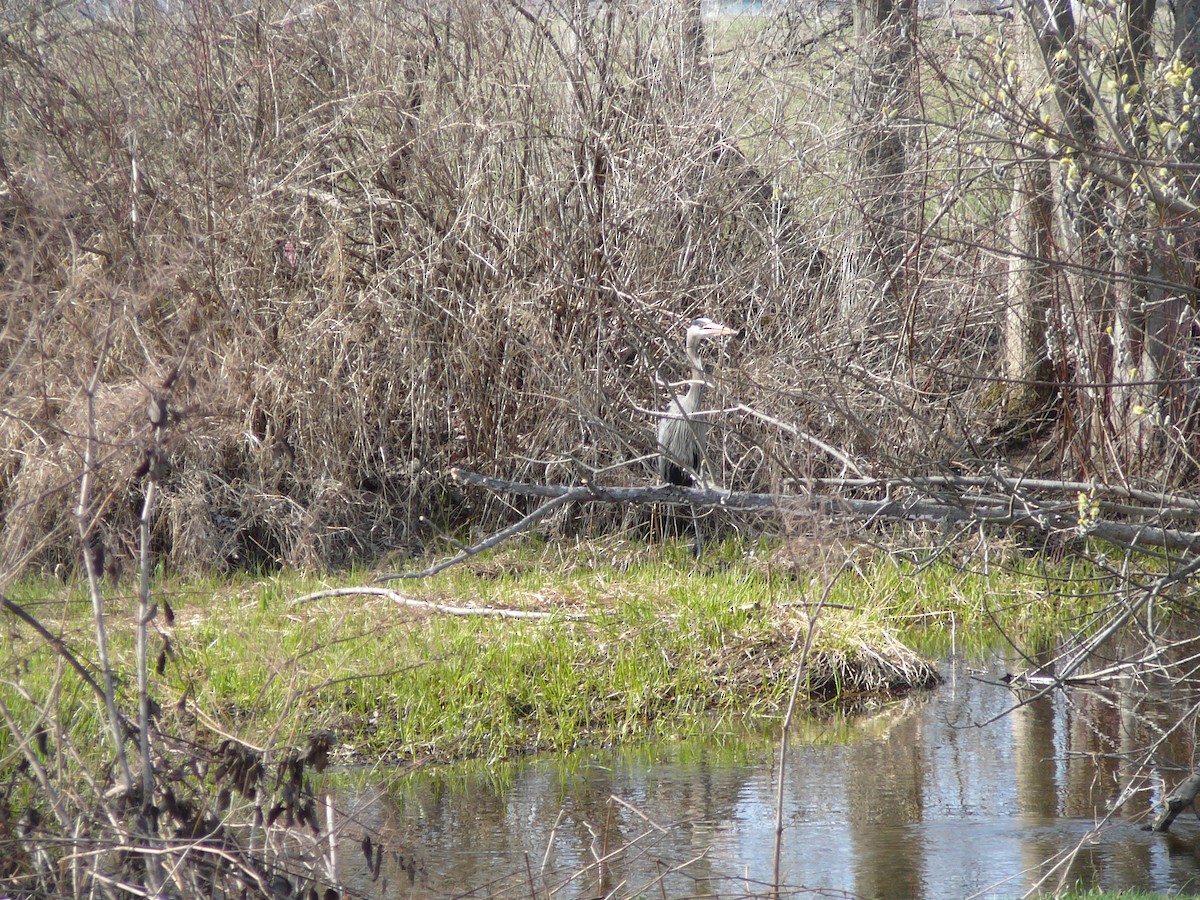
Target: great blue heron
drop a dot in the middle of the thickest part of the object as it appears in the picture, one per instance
(683, 429)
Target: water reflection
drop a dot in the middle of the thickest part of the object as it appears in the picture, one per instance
(937, 796)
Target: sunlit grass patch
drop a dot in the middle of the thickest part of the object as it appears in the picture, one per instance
(637, 642)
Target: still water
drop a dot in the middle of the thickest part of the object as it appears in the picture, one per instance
(942, 795)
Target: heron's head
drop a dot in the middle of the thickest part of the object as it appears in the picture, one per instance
(706, 328)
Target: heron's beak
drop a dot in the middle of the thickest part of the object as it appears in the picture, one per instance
(715, 330)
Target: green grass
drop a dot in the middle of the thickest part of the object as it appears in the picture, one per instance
(1112, 895)
(665, 645)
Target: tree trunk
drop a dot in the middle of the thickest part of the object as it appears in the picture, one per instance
(1129, 259)
(1031, 283)
(874, 259)
(1155, 277)
(1080, 314)
(695, 68)
(1169, 317)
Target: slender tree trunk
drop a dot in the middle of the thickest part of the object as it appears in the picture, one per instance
(1031, 280)
(695, 67)
(873, 263)
(1080, 314)
(1031, 284)
(1129, 259)
(1169, 317)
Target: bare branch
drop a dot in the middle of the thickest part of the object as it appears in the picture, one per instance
(446, 609)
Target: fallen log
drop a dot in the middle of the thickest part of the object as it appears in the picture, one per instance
(1177, 801)
(1011, 512)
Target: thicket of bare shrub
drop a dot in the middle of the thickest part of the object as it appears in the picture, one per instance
(381, 240)
(268, 271)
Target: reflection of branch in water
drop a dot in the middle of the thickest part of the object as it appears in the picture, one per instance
(597, 867)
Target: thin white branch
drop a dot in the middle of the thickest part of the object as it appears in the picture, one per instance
(404, 600)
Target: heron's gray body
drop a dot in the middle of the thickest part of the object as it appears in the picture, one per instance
(682, 436)
(683, 429)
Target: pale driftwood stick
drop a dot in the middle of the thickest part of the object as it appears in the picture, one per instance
(403, 600)
(1177, 801)
(999, 513)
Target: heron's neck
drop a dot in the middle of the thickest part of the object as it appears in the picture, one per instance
(699, 380)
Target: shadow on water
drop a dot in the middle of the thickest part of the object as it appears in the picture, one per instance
(939, 795)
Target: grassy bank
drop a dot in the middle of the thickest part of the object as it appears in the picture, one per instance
(635, 642)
